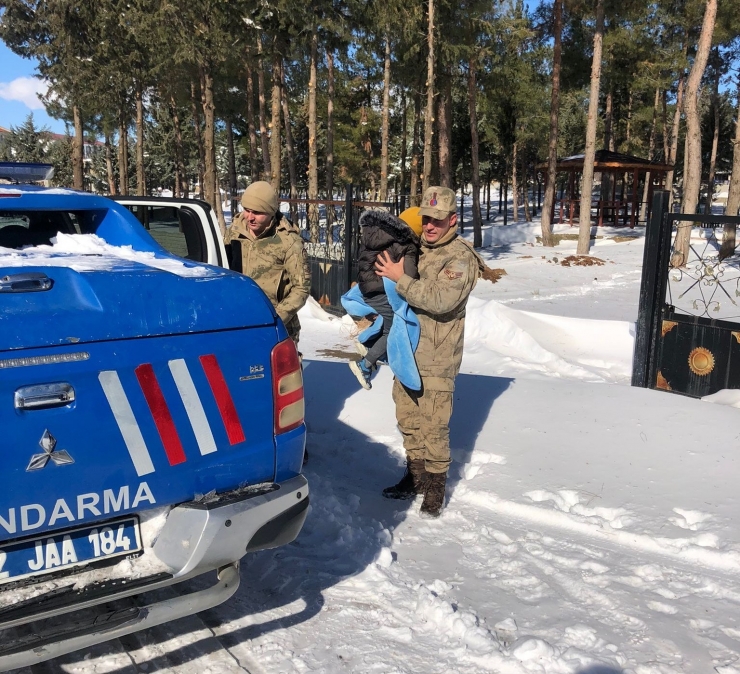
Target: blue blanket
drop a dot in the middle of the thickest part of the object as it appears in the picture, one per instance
(403, 337)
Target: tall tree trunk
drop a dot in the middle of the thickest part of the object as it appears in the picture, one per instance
(330, 126)
(289, 148)
(651, 154)
(674, 135)
(525, 187)
(253, 168)
(194, 96)
(733, 197)
(429, 115)
(367, 147)
(628, 130)
(109, 164)
(330, 141)
(140, 175)
(212, 192)
(414, 184)
(122, 156)
(584, 230)
(275, 158)
(506, 191)
(606, 178)
(692, 151)
(715, 137)
(264, 137)
(181, 181)
(232, 167)
(514, 186)
(78, 150)
(608, 119)
(385, 118)
(217, 192)
(463, 184)
(666, 137)
(404, 144)
(488, 192)
(313, 155)
(444, 129)
(475, 177)
(552, 146)
(176, 181)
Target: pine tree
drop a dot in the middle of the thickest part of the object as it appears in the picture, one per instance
(26, 143)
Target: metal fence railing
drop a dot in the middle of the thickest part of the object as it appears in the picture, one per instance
(331, 231)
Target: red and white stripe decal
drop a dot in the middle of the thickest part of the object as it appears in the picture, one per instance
(193, 406)
(224, 401)
(126, 421)
(160, 411)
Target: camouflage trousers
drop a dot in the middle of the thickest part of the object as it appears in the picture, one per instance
(424, 421)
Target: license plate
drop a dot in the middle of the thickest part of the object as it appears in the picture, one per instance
(68, 549)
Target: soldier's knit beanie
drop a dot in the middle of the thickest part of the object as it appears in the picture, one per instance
(260, 197)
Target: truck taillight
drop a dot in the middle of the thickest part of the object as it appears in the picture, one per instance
(287, 387)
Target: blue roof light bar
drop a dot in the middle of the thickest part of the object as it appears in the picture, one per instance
(20, 172)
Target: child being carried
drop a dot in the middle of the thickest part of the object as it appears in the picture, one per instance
(380, 232)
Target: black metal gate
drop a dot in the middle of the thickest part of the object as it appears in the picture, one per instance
(333, 244)
(688, 328)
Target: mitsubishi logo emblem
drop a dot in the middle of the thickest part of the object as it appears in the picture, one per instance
(59, 456)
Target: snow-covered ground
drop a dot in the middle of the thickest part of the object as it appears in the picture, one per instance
(591, 527)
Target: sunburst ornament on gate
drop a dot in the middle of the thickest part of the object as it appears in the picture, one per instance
(701, 361)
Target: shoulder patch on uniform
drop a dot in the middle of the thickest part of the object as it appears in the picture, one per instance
(455, 269)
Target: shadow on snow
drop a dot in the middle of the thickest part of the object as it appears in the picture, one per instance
(348, 523)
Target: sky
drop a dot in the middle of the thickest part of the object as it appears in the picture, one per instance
(18, 93)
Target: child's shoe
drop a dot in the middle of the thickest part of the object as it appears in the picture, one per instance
(362, 371)
(361, 348)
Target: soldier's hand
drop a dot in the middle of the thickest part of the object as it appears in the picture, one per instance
(384, 266)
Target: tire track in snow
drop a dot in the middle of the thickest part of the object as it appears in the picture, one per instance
(589, 590)
(727, 563)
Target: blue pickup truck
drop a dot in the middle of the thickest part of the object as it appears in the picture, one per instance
(151, 409)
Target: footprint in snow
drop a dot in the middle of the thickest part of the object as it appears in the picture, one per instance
(477, 461)
(660, 607)
(689, 519)
(578, 503)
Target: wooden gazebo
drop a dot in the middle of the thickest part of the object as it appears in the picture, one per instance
(622, 184)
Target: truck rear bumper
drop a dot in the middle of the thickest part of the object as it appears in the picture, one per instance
(198, 537)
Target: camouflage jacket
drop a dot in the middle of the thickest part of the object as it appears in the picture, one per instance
(448, 271)
(276, 261)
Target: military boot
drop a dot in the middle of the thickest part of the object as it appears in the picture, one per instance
(434, 495)
(412, 482)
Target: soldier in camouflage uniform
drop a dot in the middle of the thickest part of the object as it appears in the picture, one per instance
(448, 270)
(269, 249)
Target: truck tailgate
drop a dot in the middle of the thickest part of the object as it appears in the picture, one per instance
(146, 422)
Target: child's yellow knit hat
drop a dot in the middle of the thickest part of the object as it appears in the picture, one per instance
(412, 217)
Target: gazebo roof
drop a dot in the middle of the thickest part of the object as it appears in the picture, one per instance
(606, 160)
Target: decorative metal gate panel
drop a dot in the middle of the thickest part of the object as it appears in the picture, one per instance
(688, 329)
(331, 232)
